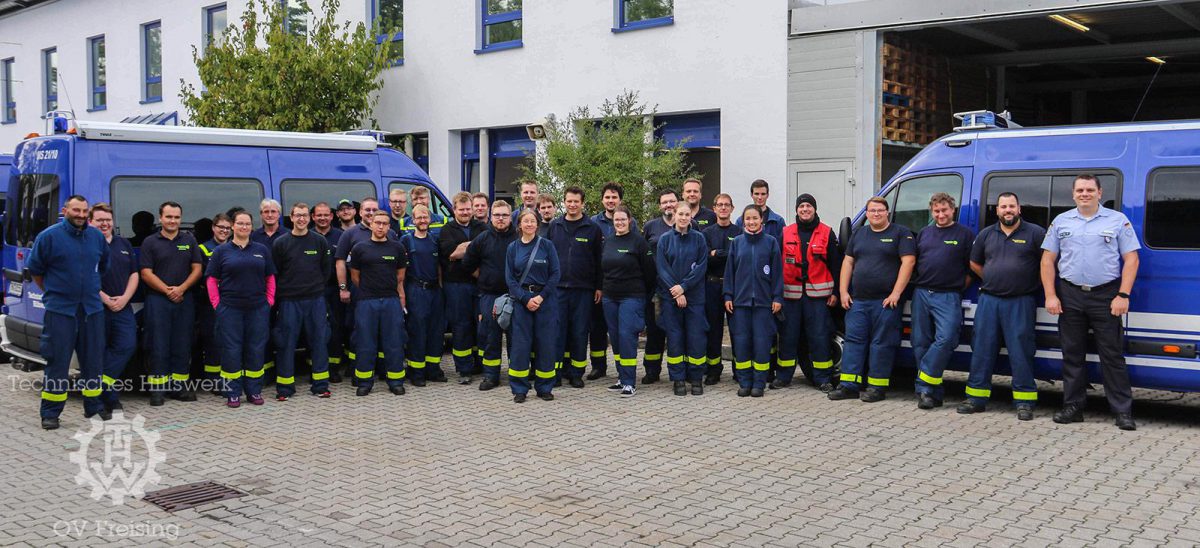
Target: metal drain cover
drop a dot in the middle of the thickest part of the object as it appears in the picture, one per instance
(193, 494)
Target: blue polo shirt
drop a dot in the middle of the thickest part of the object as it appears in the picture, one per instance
(705, 218)
(170, 260)
(241, 273)
(943, 257)
(121, 263)
(353, 236)
(377, 263)
(260, 235)
(877, 260)
(71, 261)
(1011, 263)
(1089, 250)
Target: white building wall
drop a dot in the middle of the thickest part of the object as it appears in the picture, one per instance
(718, 55)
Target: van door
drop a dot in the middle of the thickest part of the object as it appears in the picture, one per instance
(318, 176)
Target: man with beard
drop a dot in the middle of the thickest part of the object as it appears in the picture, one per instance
(347, 214)
(702, 216)
(479, 207)
(458, 286)
(1006, 257)
(486, 256)
(656, 338)
(812, 262)
(322, 218)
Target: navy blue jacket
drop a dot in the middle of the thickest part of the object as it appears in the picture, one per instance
(580, 244)
(544, 271)
(71, 261)
(448, 239)
(682, 259)
(487, 253)
(754, 271)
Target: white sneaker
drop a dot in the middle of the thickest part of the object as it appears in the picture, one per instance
(628, 391)
(616, 387)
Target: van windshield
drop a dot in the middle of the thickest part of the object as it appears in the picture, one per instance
(136, 201)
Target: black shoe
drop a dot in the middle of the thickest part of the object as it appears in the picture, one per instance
(756, 393)
(362, 390)
(743, 392)
(186, 395)
(157, 399)
(616, 387)
(49, 423)
(650, 379)
(557, 381)
(680, 388)
(576, 382)
(1124, 421)
(546, 397)
(397, 390)
(417, 382)
(105, 415)
(842, 393)
(712, 379)
(518, 398)
(925, 401)
(777, 384)
(969, 407)
(115, 406)
(438, 378)
(825, 387)
(335, 377)
(1068, 414)
(354, 381)
(596, 375)
(1024, 413)
(488, 384)
(872, 395)
(697, 389)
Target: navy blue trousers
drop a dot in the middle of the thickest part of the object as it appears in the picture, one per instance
(533, 331)
(806, 317)
(62, 336)
(120, 334)
(169, 339)
(687, 335)
(752, 330)
(491, 338)
(625, 317)
(872, 332)
(336, 311)
(656, 340)
(307, 317)
(574, 321)
(598, 339)
(936, 321)
(714, 313)
(426, 325)
(460, 310)
(1011, 320)
(242, 332)
(210, 348)
(379, 326)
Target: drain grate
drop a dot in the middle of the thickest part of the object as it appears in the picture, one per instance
(193, 494)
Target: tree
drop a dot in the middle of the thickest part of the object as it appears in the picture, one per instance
(273, 72)
(589, 151)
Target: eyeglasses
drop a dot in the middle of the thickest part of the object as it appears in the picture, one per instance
(222, 227)
(299, 215)
(102, 221)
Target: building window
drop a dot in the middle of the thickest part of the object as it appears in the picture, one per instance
(50, 77)
(500, 25)
(470, 161)
(389, 33)
(1172, 197)
(641, 14)
(216, 18)
(6, 92)
(294, 17)
(96, 74)
(152, 62)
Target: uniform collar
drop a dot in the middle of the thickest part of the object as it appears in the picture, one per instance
(1101, 212)
(72, 230)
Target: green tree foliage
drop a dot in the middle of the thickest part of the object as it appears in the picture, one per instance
(590, 150)
(641, 10)
(268, 74)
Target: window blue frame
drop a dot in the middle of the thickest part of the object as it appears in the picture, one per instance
(488, 19)
(624, 26)
(699, 130)
(395, 39)
(152, 62)
(50, 78)
(97, 74)
(216, 18)
(470, 161)
(8, 115)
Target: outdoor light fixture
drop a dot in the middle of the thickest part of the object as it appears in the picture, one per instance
(1070, 23)
(1157, 60)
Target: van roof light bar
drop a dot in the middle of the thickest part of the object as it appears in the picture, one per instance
(976, 120)
(111, 131)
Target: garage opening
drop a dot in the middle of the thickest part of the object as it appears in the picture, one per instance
(1076, 67)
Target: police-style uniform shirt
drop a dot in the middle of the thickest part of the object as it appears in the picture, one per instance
(304, 263)
(487, 254)
(718, 238)
(606, 224)
(71, 261)
(579, 244)
(628, 266)
(754, 271)
(170, 260)
(332, 238)
(543, 272)
(877, 260)
(1011, 263)
(704, 218)
(1089, 250)
(241, 273)
(377, 264)
(260, 235)
(121, 264)
(682, 259)
(772, 225)
(943, 257)
(423, 254)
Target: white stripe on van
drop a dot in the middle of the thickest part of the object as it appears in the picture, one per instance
(1167, 363)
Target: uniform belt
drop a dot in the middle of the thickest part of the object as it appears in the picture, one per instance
(424, 284)
(715, 279)
(1089, 288)
(533, 288)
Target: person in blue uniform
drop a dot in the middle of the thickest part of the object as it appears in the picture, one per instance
(812, 260)
(210, 349)
(67, 262)
(486, 256)
(377, 268)
(117, 288)
(423, 296)
(304, 262)
(531, 271)
(1088, 270)
(169, 264)
(773, 223)
(351, 237)
(692, 195)
(942, 273)
(629, 273)
(322, 217)
(681, 259)
(875, 271)
(241, 288)
(398, 207)
(269, 212)
(611, 195)
(718, 236)
(579, 244)
(421, 196)
(753, 290)
(458, 285)
(656, 338)
(1006, 257)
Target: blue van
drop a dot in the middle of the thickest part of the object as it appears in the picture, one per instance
(1149, 171)
(137, 167)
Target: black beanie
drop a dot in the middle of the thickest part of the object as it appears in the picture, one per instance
(806, 199)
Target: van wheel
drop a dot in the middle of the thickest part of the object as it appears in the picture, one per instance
(806, 364)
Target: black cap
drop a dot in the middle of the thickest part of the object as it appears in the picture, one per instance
(345, 203)
(806, 199)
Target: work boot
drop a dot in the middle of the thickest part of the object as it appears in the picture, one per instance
(969, 407)
(518, 398)
(680, 388)
(756, 392)
(650, 379)
(925, 401)
(743, 392)
(596, 374)
(186, 395)
(546, 397)
(488, 384)
(1070, 413)
(157, 399)
(335, 376)
(872, 395)
(825, 387)
(842, 393)
(712, 379)
(777, 384)
(576, 382)
(363, 390)
(1024, 413)
(1124, 421)
(397, 390)
(417, 382)
(697, 389)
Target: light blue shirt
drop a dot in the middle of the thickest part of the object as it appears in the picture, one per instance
(1089, 250)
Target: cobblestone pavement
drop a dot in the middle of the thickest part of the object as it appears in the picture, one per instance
(447, 465)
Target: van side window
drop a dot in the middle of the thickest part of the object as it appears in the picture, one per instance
(910, 200)
(1044, 195)
(1172, 200)
(36, 207)
(314, 191)
(436, 204)
(135, 201)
